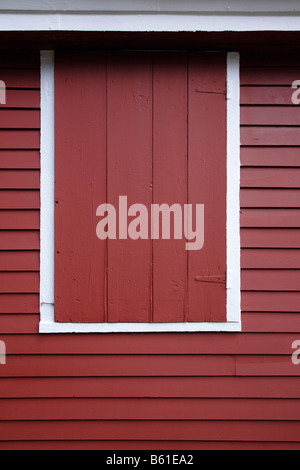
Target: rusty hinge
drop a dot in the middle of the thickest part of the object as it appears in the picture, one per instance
(214, 278)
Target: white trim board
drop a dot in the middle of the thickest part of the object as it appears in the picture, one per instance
(47, 189)
(226, 7)
(147, 22)
(150, 15)
(233, 306)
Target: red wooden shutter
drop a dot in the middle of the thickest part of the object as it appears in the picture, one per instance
(152, 127)
(207, 183)
(80, 183)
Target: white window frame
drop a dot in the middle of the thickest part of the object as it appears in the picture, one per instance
(233, 290)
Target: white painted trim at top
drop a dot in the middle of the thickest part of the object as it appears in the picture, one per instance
(225, 7)
(47, 321)
(150, 15)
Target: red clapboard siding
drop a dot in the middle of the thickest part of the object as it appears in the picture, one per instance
(19, 282)
(270, 197)
(270, 200)
(19, 261)
(19, 240)
(271, 301)
(19, 179)
(19, 303)
(81, 366)
(120, 430)
(160, 430)
(29, 99)
(266, 95)
(19, 199)
(147, 408)
(20, 324)
(270, 116)
(117, 366)
(270, 177)
(270, 258)
(270, 156)
(155, 387)
(166, 391)
(281, 322)
(19, 139)
(270, 218)
(270, 280)
(147, 445)
(270, 238)
(269, 75)
(15, 159)
(19, 194)
(19, 220)
(270, 136)
(173, 344)
(19, 119)
(20, 78)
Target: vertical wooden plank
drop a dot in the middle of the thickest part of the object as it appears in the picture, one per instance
(207, 184)
(169, 182)
(80, 185)
(129, 166)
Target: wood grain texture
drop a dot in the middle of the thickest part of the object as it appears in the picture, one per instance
(129, 173)
(152, 153)
(80, 185)
(170, 160)
(207, 183)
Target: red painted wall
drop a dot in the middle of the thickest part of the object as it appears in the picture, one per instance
(169, 391)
